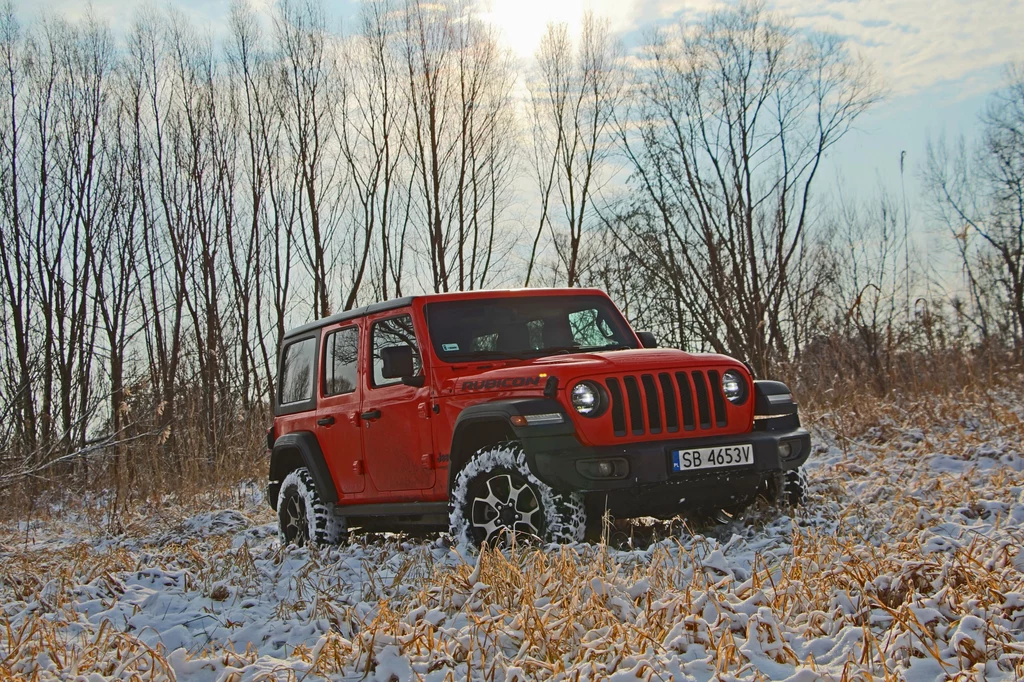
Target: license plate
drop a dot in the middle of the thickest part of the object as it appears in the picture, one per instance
(712, 458)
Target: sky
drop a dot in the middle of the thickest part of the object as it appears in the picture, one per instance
(939, 60)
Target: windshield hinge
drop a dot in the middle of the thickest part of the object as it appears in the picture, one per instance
(551, 387)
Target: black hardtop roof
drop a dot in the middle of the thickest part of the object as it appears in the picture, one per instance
(407, 300)
(350, 315)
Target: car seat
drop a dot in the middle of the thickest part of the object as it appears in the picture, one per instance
(513, 338)
(557, 332)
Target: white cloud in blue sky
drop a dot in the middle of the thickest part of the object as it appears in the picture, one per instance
(918, 44)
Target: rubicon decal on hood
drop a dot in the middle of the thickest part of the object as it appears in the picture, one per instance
(510, 382)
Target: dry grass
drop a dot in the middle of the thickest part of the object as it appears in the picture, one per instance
(903, 561)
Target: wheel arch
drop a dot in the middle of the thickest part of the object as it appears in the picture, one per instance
(564, 514)
(474, 432)
(295, 450)
(490, 423)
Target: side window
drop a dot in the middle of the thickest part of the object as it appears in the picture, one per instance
(485, 342)
(297, 369)
(589, 328)
(394, 331)
(341, 351)
(536, 331)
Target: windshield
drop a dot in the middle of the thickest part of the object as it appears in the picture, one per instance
(525, 326)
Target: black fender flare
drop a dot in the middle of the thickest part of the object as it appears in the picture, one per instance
(774, 407)
(303, 449)
(500, 413)
(773, 398)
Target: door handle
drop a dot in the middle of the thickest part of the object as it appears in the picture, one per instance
(325, 421)
(370, 416)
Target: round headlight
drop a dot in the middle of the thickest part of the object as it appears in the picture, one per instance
(586, 398)
(734, 386)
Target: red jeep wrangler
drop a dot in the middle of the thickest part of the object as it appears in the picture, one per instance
(500, 412)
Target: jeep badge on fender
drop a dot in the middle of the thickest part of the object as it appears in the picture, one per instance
(545, 409)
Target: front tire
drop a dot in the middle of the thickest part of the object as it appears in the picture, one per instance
(303, 518)
(496, 497)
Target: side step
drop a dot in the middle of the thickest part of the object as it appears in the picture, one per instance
(394, 514)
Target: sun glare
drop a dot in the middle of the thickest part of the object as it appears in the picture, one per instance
(522, 22)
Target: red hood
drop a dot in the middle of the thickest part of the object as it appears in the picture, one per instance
(531, 375)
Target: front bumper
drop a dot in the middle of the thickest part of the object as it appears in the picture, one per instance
(648, 486)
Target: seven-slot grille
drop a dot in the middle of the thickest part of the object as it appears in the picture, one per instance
(666, 402)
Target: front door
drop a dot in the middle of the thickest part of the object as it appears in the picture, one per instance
(337, 426)
(396, 418)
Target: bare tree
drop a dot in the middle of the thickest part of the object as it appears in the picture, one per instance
(15, 243)
(311, 80)
(979, 195)
(115, 255)
(866, 287)
(262, 252)
(573, 99)
(85, 62)
(459, 89)
(372, 137)
(731, 120)
(486, 150)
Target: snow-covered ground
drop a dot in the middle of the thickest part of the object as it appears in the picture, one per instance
(905, 563)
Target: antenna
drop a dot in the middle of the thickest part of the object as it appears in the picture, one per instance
(906, 233)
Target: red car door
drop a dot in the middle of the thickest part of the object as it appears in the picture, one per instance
(337, 426)
(397, 443)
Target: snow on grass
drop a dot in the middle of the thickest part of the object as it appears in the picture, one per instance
(905, 563)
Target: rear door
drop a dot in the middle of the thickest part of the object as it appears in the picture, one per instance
(337, 426)
(396, 418)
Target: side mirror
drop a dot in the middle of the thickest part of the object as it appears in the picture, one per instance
(647, 339)
(397, 362)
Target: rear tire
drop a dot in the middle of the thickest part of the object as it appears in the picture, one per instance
(779, 488)
(496, 497)
(787, 488)
(794, 487)
(303, 518)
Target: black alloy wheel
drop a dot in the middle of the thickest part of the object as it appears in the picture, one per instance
(294, 520)
(504, 506)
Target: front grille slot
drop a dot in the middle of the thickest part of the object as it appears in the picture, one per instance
(689, 423)
(653, 403)
(618, 410)
(636, 406)
(700, 386)
(671, 405)
(718, 398)
(649, 403)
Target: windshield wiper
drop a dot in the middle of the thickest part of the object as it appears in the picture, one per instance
(556, 350)
(529, 353)
(483, 355)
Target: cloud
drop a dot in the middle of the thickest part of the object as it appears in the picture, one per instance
(914, 44)
(206, 15)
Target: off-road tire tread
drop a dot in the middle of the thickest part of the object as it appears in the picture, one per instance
(794, 488)
(323, 527)
(564, 513)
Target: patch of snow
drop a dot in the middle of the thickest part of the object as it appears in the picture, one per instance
(906, 562)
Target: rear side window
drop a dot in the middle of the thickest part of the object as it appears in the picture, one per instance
(297, 371)
(341, 352)
(394, 331)
(590, 328)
